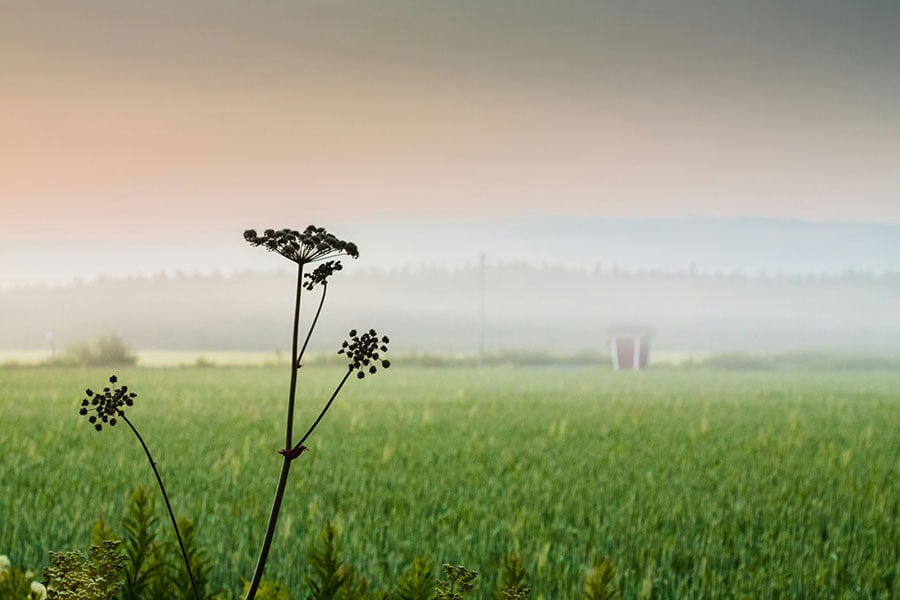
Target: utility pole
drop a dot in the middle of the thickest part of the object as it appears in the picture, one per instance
(481, 312)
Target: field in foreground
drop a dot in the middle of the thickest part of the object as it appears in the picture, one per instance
(694, 484)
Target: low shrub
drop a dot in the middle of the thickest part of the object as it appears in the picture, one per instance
(106, 351)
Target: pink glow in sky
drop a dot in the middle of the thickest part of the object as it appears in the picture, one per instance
(155, 120)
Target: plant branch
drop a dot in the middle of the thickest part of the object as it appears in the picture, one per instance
(312, 326)
(162, 488)
(324, 410)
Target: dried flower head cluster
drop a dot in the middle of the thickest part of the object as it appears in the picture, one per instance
(311, 245)
(364, 352)
(321, 273)
(106, 404)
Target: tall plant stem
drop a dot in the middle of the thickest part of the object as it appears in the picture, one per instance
(286, 464)
(162, 488)
(295, 364)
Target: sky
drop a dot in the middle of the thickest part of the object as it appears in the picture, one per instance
(138, 136)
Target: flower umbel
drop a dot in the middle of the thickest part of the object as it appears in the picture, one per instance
(106, 404)
(364, 352)
(311, 245)
(321, 273)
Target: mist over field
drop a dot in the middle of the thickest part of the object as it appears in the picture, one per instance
(699, 285)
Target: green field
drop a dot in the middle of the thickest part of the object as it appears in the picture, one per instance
(694, 483)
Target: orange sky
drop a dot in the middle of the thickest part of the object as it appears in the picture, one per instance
(177, 117)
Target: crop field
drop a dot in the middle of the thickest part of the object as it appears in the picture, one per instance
(692, 483)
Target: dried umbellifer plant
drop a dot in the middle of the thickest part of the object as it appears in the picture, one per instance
(106, 408)
(364, 352)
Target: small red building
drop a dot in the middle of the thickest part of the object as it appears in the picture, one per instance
(629, 347)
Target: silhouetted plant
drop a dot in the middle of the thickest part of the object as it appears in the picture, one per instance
(105, 408)
(364, 352)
